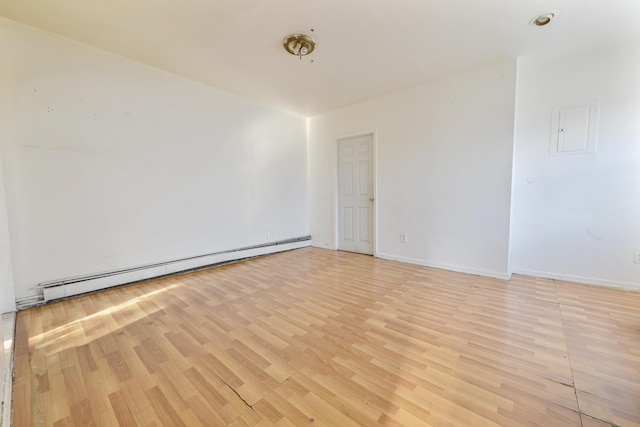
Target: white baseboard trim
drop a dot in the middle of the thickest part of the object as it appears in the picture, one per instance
(579, 279)
(60, 289)
(6, 397)
(448, 267)
(324, 246)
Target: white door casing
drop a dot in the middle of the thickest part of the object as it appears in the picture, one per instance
(355, 194)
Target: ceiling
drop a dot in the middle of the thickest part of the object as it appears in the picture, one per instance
(365, 48)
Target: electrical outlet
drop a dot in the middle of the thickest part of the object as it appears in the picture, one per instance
(403, 237)
(636, 257)
(269, 236)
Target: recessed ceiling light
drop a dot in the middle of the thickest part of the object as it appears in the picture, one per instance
(544, 18)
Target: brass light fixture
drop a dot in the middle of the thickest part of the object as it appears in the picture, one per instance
(299, 45)
(544, 18)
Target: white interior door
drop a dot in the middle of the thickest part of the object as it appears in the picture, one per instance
(355, 194)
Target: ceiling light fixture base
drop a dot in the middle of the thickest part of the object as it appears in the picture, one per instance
(299, 44)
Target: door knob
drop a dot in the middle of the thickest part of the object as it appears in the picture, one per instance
(371, 199)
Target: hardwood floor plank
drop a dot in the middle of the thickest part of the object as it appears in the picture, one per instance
(64, 422)
(317, 337)
(162, 408)
(82, 414)
(122, 409)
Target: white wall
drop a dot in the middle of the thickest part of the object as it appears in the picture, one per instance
(577, 217)
(7, 291)
(112, 164)
(443, 161)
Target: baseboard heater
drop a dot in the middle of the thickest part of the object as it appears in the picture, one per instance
(60, 289)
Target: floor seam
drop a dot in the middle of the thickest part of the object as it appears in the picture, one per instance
(566, 343)
(575, 388)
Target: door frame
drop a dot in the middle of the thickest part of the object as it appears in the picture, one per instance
(336, 184)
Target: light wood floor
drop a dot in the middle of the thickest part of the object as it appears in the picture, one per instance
(332, 339)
